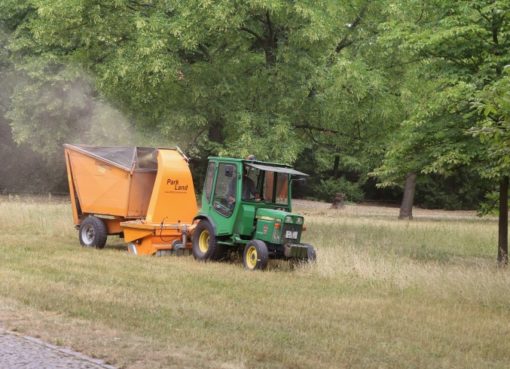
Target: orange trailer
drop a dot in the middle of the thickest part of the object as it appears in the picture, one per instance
(145, 195)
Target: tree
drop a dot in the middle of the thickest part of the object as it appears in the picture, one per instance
(51, 100)
(328, 82)
(460, 48)
(216, 77)
(494, 131)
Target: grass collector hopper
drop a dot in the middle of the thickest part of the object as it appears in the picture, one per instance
(143, 194)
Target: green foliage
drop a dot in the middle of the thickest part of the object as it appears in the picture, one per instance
(227, 78)
(462, 190)
(343, 88)
(459, 49)
(493, 102)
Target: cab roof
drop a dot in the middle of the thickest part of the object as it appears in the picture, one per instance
(263, 165)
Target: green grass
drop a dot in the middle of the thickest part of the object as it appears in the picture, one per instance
(383, 294)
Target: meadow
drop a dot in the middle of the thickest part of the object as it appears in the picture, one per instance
(384, 293)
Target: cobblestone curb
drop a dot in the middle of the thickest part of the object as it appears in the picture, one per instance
(21, 352)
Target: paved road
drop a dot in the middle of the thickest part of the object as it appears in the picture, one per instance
(18, 352)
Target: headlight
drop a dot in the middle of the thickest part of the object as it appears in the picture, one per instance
(288, 219)
(299, 220)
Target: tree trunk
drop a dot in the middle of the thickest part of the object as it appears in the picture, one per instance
(270, 54)
(271, 43)
(503, 222)
(406, 208)
(215, 131)
(336, 164)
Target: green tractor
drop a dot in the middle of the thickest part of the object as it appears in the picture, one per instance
(246, 206)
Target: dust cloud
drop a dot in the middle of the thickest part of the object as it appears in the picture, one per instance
(38, 115)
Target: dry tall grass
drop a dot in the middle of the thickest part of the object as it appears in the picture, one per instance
(445, 254)
(383, 294)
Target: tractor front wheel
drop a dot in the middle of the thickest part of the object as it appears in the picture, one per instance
(204, 243)
(93, 232)
(255, 255)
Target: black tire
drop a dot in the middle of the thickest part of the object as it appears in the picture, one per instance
(221, 252)
(93, 232)
(204, 243)
(311, 254)
(255, 255)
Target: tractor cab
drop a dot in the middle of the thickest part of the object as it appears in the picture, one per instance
(248, 204)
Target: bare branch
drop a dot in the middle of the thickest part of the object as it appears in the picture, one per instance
(319, 129)
(345, 41)
(270, 26)
(311, 129)
(251, 32)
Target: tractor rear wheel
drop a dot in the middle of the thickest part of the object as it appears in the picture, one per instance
(255, 255)
(204, 243)
(93, 232)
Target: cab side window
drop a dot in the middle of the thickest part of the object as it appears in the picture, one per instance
(209, 180)
(282, 189)
(268, 186)
(226, 189)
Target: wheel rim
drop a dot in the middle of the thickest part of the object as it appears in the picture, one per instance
(251, 257)
(203, 241)
(88, 234)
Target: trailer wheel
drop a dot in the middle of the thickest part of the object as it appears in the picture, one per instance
(93, 232)
(204, 243)
(255, 255)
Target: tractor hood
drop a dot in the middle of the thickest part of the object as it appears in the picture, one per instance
(274, 215)
(278, 227)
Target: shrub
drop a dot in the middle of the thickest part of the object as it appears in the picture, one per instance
(326, 189)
